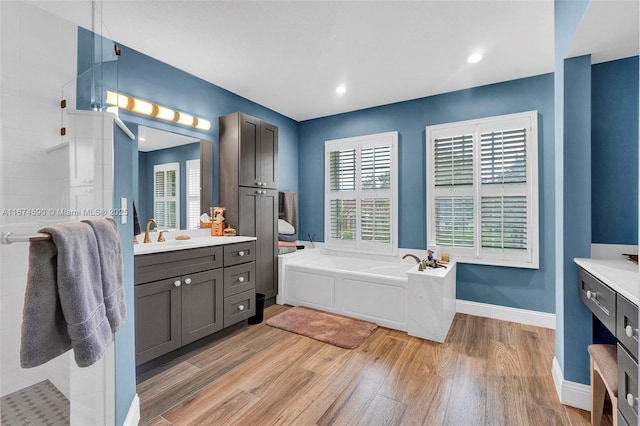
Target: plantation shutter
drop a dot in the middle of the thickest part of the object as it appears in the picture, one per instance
(482, 189)
(503, 157)
(453, 160)
(504, 222)
(360, 183)
(166, 195)
(454, 221)
(343, 170)
(193, 194)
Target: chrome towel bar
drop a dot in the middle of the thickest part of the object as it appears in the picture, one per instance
(10, 238)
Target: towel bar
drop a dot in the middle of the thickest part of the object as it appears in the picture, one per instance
(10, 238)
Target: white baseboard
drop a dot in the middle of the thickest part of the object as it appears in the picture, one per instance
(522, 316)
(570, 393)
(133, 416)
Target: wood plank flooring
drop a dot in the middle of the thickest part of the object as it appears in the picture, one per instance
(488, 372)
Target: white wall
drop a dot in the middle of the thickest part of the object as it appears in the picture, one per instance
(37, 58)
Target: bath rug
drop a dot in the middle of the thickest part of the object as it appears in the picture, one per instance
(326, 327)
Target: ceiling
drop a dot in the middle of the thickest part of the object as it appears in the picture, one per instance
(291, 55)
(150, 139)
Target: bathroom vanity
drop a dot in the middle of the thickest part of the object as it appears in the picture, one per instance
(609, 288)
(186, 290)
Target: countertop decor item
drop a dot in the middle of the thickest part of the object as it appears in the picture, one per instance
(183, 237)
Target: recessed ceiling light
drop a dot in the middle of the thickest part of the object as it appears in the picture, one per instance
(341, 89)
(475, 58)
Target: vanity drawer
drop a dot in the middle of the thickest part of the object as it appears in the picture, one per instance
(239, 307)
(599, 298)
(627, 386)
(235, 254)
(627, 325)
(157, 266)
(239, 278)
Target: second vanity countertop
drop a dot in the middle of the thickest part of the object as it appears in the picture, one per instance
(199, 238)
(619, 274)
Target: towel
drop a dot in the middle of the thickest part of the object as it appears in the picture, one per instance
(287, 237)
(64, 305)
(287, 243)
(286, 250)
(106, 231)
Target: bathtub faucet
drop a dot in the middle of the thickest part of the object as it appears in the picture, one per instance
(420, 262)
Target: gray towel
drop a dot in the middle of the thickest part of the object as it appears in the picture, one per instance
(64, 307)
(106, 231)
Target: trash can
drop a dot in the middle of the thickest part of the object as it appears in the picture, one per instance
(258, 317)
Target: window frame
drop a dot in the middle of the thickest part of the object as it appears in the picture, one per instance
(358, 194)
(192, 222)
(166, 167)
(530, 258)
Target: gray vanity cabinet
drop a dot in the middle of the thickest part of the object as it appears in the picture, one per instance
(248, 182)
(178, 299)
(182, 296)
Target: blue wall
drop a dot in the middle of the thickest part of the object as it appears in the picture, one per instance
(146, 161)
(144, 77)
(614, 150)
(514, 287)
(124, 170)
(567, 17)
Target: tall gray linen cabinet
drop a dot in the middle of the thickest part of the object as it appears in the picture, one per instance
(248, 190)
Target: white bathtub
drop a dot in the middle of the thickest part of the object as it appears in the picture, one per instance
(392, 294)
(360, 288)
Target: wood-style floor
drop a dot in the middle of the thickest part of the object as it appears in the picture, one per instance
(488, 372)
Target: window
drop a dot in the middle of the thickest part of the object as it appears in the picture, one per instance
(482, 190)
(361, 192)
(193, 194)
(166, 195)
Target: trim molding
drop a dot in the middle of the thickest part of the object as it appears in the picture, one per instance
(570, 393)
(133, 416)
(523, 316)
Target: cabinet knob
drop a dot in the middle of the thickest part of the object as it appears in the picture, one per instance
(628, 330)
(631, 400)
(258, 192)
(241, 279)
(241, 308)
(591, 295)
(187, 281)
(264, 183)
(177, 283)
(259, 183)
(240, 253)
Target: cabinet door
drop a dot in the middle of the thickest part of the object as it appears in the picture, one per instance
(202, 304)
(268, 159)
(249, 166)
(258, 218)
(157, 318)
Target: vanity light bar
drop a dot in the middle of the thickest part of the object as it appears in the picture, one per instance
(156, 111)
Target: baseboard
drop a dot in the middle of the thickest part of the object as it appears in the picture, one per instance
(133, 416)
(522, 316)
(570, 393)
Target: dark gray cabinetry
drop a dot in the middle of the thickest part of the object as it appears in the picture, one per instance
(259, 217)
(183, 296)
(248, 182)
(239, 282)
(620, 317)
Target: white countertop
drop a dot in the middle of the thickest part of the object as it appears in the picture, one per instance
(199, 238)
(620, 274)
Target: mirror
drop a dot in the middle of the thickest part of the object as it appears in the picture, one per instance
(175, 178)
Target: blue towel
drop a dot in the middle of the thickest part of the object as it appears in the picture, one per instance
(64, 304)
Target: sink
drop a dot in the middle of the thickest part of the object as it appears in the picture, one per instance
(171, 244)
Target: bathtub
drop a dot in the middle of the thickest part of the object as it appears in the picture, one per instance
(392, 294)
